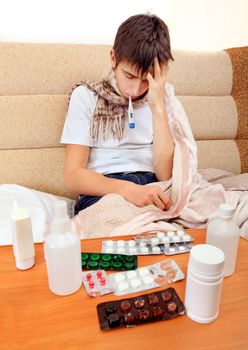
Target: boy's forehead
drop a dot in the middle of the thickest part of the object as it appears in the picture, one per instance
(136, 71)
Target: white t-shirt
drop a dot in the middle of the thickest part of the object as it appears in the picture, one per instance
(132, 153)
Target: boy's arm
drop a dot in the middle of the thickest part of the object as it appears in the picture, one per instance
(163, 146)
(81, 180)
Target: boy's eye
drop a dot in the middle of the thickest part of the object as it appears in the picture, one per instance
(129, 76)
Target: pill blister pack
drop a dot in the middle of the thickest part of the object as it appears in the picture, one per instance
(94, 261)
(128, 247)
(147, 246)
(177, 248)
(164, 272)
(142, 309)
(169, 237)
(96, 283)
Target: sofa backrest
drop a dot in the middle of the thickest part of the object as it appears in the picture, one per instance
(35, 80)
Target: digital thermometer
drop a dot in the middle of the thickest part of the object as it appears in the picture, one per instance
(131, 121)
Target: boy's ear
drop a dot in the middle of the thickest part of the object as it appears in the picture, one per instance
(112, 58)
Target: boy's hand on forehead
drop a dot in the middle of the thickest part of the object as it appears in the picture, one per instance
(158, 68)
(157, 82)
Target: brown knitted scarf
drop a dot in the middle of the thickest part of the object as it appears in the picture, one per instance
(109, 114)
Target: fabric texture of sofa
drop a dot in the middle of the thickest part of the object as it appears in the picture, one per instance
(35, 80)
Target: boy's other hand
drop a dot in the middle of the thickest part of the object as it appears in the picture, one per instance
(157, 82)
(144, 195)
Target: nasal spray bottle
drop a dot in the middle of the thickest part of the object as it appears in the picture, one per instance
(23, 243)
(131, 122)
(63, 253)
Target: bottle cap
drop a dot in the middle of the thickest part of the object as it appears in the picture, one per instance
(61, 222)
(206, 259)
(25, 264)
(226, 210)
(18, 212)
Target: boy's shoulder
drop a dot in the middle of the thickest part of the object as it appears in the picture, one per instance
(82, 91)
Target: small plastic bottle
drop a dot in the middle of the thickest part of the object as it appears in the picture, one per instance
(63, 253)
(23, 243)
(204, 283)
(223, 232)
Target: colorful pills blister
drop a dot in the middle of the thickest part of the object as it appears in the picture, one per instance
(146, 308)
(96, 283)
(151, 276)
(94, 261)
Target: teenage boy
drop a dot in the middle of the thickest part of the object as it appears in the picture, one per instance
(103, 154)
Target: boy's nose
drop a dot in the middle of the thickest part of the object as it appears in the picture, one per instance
(135, 90)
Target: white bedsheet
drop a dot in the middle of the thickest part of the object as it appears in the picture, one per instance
(40, 206)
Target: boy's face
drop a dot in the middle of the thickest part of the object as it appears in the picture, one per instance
(129, 81)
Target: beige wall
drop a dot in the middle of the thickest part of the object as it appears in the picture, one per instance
(194, 24)
(208, 24)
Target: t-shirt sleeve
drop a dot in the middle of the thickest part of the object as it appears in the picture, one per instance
(77, 124)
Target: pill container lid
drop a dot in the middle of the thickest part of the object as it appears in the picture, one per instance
(226, 210)
(206, 259)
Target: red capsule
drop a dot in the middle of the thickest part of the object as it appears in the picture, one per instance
(88, 276)
(99, 274)
(103, 281)
(91, 284)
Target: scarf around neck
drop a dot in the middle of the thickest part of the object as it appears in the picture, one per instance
(110, 112)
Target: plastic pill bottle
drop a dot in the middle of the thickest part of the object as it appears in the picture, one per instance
(204, 283)
(223, 233)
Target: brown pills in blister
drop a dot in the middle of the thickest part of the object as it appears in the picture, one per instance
(129, 312)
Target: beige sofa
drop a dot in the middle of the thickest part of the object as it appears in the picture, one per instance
(35, 80)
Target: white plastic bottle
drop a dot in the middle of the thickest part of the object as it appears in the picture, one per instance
(204, 283)
(23, 243)
(223, 233)
(63, 253)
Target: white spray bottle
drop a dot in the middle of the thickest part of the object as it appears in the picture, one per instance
(23, 243)
(63, 252)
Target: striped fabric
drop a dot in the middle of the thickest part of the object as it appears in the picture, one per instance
(35, 80)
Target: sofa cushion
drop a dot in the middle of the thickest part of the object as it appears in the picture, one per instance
(35, 80)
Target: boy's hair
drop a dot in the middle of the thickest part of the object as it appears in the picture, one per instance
(140, 39)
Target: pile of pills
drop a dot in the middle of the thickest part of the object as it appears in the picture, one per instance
(143, 278)
(96, 283)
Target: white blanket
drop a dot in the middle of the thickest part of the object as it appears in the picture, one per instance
(40, 206)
